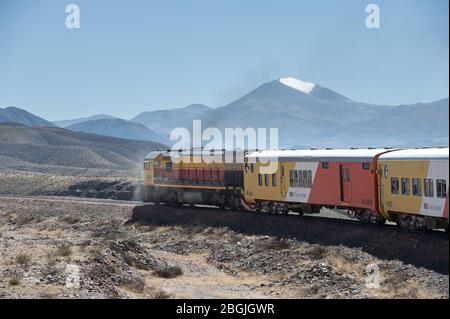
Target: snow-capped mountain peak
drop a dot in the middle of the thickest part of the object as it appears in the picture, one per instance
(302, 86)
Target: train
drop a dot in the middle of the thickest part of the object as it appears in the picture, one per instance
(404, 186)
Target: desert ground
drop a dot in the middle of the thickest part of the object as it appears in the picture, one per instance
(42, 239)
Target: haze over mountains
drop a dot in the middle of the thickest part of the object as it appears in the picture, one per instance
(66, 123)
(163, 121)
(306, 115)
(119, 128)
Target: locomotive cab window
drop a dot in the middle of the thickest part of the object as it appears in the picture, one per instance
(416, 187)
(405, 186)
(274, 180)
(366, 166)
(266, 179)
(441, 188)
(169, 167)
(260, 179)
(428, 187)
(394, 185)
(325, 165)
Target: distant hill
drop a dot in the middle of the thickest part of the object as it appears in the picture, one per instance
(421, 124)
(66, 123)
(16, 115)
(163, 121)
(42, 148)
(118, 128)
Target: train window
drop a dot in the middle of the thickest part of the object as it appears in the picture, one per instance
(416, 187)
(301, 181)
(305, 179)
(282, 171)
(296, 178)
(291, 178)
(394, 185)
(428, 187)
(309, 179)
(325, 165)
(274, 180)
(366, 166)
(168, 167)
(252, 167)
(266, 179)
(441, 188)
(405, 186)
(260, 179)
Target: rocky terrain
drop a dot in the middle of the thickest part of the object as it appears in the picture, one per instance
(115, 186)
(45, 242)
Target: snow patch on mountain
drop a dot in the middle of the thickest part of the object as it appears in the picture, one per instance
(302, 86)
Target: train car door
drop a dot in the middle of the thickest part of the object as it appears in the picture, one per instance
(346, 184)
(282, 181)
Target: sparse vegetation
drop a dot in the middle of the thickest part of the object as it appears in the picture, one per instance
(23, 260)
(170, 272)
(317, 252)
(275, 244)
(69, 220)
(135, 284)
(161, 294)
(14, 281)
(24, 218)
(65, 250)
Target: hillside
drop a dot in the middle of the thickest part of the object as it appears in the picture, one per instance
(421, 124)
(41, 149)
(66, 123)
(16, 115)
(163, 121)
(118, 128)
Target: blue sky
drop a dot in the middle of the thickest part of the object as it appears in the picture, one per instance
(134, 56)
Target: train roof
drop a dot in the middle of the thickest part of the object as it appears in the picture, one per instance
(194, 152)
(325, 155)
(440, 153)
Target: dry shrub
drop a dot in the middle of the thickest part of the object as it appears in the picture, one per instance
(317, 252)
(26, 218)
(14, 281)
(23, 260)
(135, 284)
(69, 220)
(65, 250)
(276, 244)
(169, 272)
(161, 294)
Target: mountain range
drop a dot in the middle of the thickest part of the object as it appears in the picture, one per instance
(306, 115)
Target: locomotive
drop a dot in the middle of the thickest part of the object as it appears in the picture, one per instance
(405, 186)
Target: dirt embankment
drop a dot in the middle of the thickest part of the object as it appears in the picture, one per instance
(40, 239)
(429, 250)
